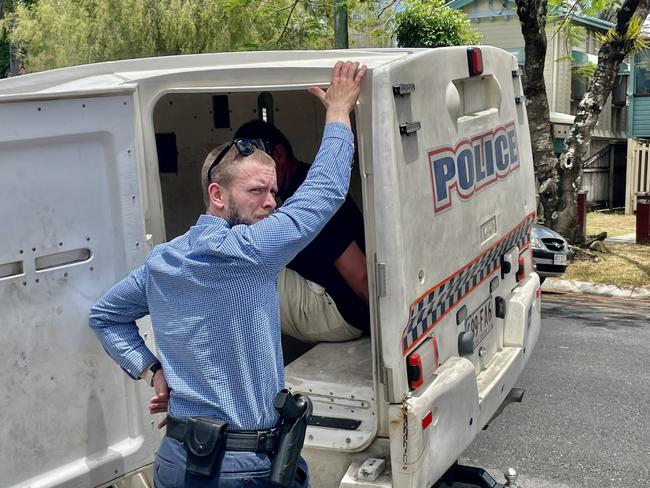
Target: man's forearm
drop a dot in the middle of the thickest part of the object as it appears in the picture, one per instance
(113, 321)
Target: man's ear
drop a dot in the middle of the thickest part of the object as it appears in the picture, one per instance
(279, 155)
(217, 195)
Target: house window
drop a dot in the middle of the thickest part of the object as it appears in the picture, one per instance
(619, 91)
(642, 75)
(578, 85)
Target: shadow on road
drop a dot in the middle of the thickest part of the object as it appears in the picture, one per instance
(594, 311)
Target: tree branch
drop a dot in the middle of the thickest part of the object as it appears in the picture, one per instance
(286, 24)
(381, 12)
(565, 19)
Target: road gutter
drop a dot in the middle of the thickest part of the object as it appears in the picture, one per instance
(555, 285)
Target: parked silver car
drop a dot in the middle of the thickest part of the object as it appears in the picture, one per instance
(550, 252)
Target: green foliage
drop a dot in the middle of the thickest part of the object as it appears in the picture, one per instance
(586, 70)
(590, 8)
(4, 56)
(633, 36)
(371, 23)
(431, 24)
(561, 12)
(609, 11)
(4, 51)
(55, 33)
(574, 34)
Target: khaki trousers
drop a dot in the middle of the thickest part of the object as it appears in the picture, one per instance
(308, 313)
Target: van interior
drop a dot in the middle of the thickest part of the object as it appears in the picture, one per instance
(337, 376)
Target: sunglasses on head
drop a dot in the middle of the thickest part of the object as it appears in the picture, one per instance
(245, 147)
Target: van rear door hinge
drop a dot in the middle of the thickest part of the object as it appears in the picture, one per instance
(403, 88)
(409, 127)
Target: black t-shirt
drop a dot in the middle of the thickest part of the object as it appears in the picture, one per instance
(316, 261)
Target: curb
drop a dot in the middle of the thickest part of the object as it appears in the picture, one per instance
(555, 285)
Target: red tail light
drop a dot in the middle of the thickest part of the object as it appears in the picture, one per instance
(521, 270)
(474, 61)
(426, 420)
(525, 264)
(422, 363)
(414, 371)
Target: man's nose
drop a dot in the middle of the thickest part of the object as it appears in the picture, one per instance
(270, 201)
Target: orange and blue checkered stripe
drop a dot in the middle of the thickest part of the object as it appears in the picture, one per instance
(427, 311)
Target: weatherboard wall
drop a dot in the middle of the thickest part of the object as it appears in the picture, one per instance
(639, 88)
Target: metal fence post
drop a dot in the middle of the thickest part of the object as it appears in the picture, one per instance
(582, 215)
(643, 218)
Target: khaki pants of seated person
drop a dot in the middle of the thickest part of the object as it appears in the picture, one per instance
(308, 313)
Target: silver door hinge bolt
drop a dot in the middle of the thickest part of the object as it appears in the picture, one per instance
(511, 478)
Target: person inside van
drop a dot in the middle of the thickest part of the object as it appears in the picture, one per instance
(332, 265)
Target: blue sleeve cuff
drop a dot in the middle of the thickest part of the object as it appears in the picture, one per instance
(339, 131)
(138, 361)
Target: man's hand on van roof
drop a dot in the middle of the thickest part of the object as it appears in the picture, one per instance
(343, 92)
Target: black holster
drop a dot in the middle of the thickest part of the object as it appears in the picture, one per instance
(295, 411)
(205, 444)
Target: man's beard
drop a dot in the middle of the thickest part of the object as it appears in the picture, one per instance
(235, 217)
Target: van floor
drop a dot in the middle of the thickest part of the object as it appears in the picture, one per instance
(292, 349)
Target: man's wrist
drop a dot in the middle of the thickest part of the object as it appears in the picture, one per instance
(338, 115)
(150, 371)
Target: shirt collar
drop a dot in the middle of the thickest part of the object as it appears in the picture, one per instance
(206, 219)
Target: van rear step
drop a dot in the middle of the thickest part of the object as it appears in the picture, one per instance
(459, 476)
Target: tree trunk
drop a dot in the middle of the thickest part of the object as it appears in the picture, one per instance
(7, 7)
(340, 25)
(532, 16)
(610, 56)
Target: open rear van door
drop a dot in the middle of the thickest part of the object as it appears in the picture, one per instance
(454, 193)
(72, 227)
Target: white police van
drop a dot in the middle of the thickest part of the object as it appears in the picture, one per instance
(100, 162)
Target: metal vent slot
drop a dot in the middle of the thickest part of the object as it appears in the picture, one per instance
(9, 270)
(334, 422)
(60, 259)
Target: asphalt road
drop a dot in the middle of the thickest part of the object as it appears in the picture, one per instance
(585, 418)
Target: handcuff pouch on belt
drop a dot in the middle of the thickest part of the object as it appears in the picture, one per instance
(205, 443)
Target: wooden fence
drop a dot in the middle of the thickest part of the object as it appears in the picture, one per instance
(638, 171)
(597, 178)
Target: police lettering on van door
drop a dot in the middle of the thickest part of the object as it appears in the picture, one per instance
(473, 164)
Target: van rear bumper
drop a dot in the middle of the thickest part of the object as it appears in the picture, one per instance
(520, 335)
(495, 382)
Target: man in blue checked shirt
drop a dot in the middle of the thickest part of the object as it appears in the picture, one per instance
(212, 297)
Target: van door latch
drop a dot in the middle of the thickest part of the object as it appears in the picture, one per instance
(409, 127)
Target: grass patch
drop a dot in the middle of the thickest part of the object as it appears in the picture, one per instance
(614, 224)
(627, 266)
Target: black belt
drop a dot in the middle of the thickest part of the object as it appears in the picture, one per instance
(256, 441)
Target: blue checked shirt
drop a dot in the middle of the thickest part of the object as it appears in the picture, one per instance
(212, 297)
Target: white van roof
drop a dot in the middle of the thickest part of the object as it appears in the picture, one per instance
(123, 76)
